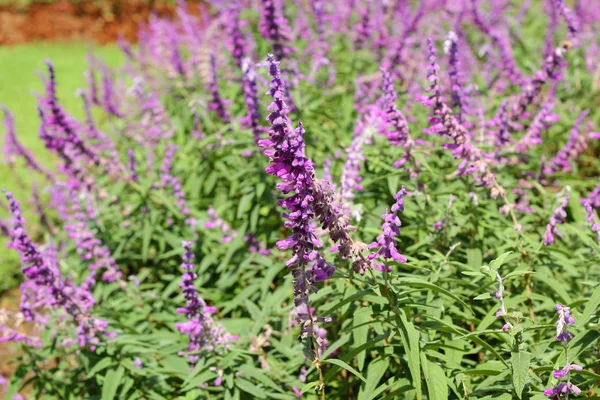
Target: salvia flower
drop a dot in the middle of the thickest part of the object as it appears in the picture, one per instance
(593, 198)
(386, 241)
(567, 14)
(364, 26)
(575, 146)
(167, 179)
(43, 273)
(217, 104)
(564, 320)
(89, 247)
(60, 133)
(542, 121)
(250, 96)
(13, 148)
(561, 389)
(215, 221)
(285, 149)
(396, 128)
(203, 333)
(132, 166)
(561, 373)
(558, 218)
(275, 28)
(235, 40)
(456, 90)
(591, 219)
(110, 102)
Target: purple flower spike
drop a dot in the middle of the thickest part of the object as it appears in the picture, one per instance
(397, 130)
(564, 319)
(567, 14)
(386, 241)
(250, 96)
(235, 40)
(45, 285)
(285, 149)
(557, 218)
(561, 389)
(591, 219)
(204, 334)
(13, 148)
(561, 373)
(217, 104)
(275, 28)
(110, 102)
(575, 146)
(132, 166)
(167, 179)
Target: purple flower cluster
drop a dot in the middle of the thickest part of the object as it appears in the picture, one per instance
(542, 121)
(575, 146)
(43, 277)
(250, 96)
(89, 247)
(154, 122)
(386, 241)
(562, 334)
(557, 218)
(285, 149)
(217, 104)
(13, 148)
(235, 40)
(215, 221)
(109, 96)
(203, 333)
(167, 179)
(591, 219)
(396, 128)
(275, 28)
(60, 134)
(132, 166)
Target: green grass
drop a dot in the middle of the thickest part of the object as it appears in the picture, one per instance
(18, 83)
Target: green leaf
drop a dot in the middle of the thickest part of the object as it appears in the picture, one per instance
(520, 370)
(146, 236)
(497, 263)
(342, 364)
(99, 366)
(375, 371)
(592, 307)
(393, 181)
(435, 378)
(250, 388)
(414, 282)
(360, 323)
(483, 296)
(244, 204)
(111, 383)
(354, 296)
(410, 339)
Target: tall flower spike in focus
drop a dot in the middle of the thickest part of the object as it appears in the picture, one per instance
(285, 149)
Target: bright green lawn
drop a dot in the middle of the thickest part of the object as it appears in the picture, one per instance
(18, 82)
